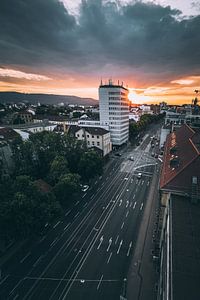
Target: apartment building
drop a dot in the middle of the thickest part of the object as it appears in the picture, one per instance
(114, 111)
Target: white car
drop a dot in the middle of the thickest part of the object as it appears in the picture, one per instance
(85, 188)
(139, 175)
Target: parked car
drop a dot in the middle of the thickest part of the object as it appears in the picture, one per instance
(85, 188)
(139, 175)
(118, 154)
(131, 158)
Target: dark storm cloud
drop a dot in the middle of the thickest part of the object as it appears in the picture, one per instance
(137, 35)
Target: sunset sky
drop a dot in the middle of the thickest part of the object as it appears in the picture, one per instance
(66, 47)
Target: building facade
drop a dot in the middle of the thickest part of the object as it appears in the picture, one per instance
(114, 111)
(94, 137)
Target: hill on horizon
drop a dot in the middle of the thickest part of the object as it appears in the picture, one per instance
(15, 97)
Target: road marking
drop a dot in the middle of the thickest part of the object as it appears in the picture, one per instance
(66, 226)
(142, 181)
(76, 215)
(129, 248)
(147, 183)
(84, 195)
(76, 203)
(86, 203)
(127, 203)
(100, 177)
(127, 213)
(54, 241)
(109, 258)
(68, 212)
(92, 196)
(117, 197)
(4, 279)
(122, 225)
(99, 282)
(42, 239)
(134, 196)
(141, 206)
(120, 202)
(56, 224)
(131, 204)
(101, 241)
(98, 189)
(23, 259)
(116, 239)
(16, 297)
(134, 205)
(37, 261)
(107, 178)
(119, 246)
(110, 242)
(95, 182)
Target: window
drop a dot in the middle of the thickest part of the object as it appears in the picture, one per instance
(88, 136)
(83, 135)
(88, 142)
(93, 143)
(98, 136)
(77, 134)
(98, 143)
(92, 136)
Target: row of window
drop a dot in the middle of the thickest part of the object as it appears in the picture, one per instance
(122, 103)
(93, 143)
(121, 113)
(79, 135)
(116, 93)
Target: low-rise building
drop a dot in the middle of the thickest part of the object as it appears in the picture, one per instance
(94, 137)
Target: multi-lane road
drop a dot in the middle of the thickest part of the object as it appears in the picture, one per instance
(86, 254)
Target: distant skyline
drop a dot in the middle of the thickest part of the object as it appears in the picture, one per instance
(66, 47)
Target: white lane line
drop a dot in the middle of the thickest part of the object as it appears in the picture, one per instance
(117, 197)
(147, 183)
(68, 212)
(95, 182)
(109, 258)
(16, 297)
(116, 239)
(84, 195)
(37, 261)
(110, 242)
(131, 204)
(76, 203)
(142, 181)
(134, 196)
(66, 226)
(99, 282)
(127, 213)
(54, 241)
(85, 204)
(98, 189)
(129, 248)
(101, 241)
(76, 215)
(23, 259)
(127, 203)
(102, 184)
(56, 224)
(4, 279)
(120, 202)
(119, 246)
(42, 239)
(107, 178)
(100, 177)
(92, 196)
(141, 206)
(122, 225)
(134, 204)
(136, 182)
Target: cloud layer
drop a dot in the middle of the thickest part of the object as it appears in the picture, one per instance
(139, 41)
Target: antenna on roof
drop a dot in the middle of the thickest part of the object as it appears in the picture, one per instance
(101, 82)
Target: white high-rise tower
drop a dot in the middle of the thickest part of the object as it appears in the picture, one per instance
(114, 111)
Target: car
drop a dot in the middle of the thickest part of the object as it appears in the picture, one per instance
(139, 175)
(131, 158)
(118, 154)
(85, 188)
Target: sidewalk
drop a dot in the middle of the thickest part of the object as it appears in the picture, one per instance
(142, 274)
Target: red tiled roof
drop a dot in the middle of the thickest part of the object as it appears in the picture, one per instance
(185, 142)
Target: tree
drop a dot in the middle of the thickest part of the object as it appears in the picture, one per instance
(67, 189)
(58, 167)
(91, 164)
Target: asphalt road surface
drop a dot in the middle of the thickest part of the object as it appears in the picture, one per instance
(86, 254)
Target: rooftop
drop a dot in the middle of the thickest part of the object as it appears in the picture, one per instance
(181, 159)
(185, 249)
